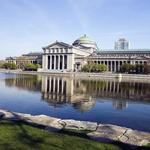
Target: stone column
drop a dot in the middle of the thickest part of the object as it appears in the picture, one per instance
(43, 62)
(46, 62)
(58, 62)
(50, 62)
(133, 62)
(62, 62)
(114, 66)
(118, 65)
(111, 66)
(54, 62)
(107, 65)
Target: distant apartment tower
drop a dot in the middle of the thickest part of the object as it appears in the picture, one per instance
(121, 43)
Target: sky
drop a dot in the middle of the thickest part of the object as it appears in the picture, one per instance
(28, 25)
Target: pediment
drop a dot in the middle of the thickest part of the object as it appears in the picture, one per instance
(58, 45)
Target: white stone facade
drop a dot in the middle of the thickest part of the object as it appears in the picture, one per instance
(62, 57)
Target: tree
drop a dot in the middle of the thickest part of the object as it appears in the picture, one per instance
(1, 65)
(132, 68)
(32, 67)
(147, 69)
(139, 68)
(125, 68)
(102, 68)
(11, 66)
(92, 67)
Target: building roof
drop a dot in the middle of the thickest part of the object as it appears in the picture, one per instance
(58, 43)
(33, 54)
(113, 51)
(83, 40)
(10, 58)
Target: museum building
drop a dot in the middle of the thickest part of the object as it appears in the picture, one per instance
(63, 57)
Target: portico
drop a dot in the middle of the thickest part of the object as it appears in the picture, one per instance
(56, 62)
(59, 56)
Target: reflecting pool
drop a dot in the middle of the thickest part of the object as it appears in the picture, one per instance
(104, 101)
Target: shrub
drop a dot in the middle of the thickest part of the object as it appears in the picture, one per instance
(146, 69)
(138, 68)
(11, 66)
(32, 67)
(92, 67)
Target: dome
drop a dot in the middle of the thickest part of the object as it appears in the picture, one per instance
(85, 41)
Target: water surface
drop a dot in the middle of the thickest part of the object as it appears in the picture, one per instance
(104, 101)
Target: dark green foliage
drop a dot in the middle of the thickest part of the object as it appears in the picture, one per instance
(92, 67)
(1, 65)
(32, 67)
(147, 69)
(138, 68)
(11, 66)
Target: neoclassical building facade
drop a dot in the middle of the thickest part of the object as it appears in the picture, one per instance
(62, 57)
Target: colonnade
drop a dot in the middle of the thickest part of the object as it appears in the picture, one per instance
(114, 65)
(55, 62)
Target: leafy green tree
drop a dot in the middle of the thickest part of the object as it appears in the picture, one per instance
(1, 65)
(102, 68)
(32, 67)
(131, 68)
(139, 68)
(92, 67)
(11, 66)
(125, 68)
(147, 69)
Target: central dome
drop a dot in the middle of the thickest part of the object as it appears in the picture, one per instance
(85, 41)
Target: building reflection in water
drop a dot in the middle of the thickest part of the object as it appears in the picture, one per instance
(82, 94)
(24, 82)
(57, 91)
(120, 104)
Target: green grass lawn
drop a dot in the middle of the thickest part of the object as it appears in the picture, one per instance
(20, 136)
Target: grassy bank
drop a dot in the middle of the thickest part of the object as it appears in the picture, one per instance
(20, 136)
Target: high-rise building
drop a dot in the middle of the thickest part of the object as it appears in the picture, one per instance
(122, 43)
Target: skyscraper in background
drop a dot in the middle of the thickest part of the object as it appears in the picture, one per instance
(121, 43)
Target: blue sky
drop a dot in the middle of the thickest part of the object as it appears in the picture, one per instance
(28, 25)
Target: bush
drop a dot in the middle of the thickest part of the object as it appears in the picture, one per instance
(92, 67)
(138, 68)
(1, 65)
(147, 69)
(11, 66)
(32, 67)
